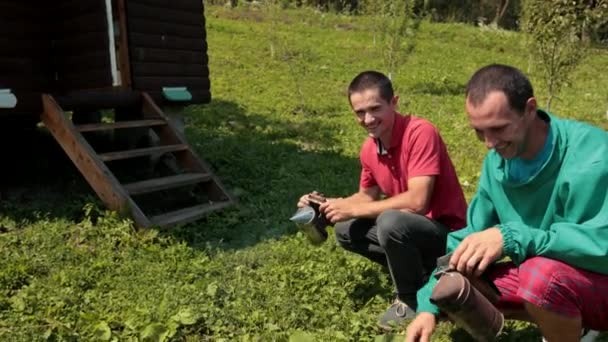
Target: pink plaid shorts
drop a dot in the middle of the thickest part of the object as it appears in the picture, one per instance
(555, 286)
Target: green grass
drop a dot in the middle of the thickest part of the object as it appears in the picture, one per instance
(69, 270)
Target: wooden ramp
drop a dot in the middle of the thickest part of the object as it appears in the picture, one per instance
(191, 176)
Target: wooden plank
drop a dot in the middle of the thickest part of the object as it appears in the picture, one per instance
(152, 55)
(91, 79)
(73, 8)
(123, 46)
(88, 22)
(188, 5)
(28, 10)
(83, 156)
(164, 183)
(100, 99)
(82, 65)
(76, 43)
(159, 82)
(159, 41)
(142, 152)
(169, 70)
(165, 14)
(118, 125)
(32, 82)
(24, 47)
(96, 58)
(187, 215)
(21, 27)
(160, 27)
(22, 68)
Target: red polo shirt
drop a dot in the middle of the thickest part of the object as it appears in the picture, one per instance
(416, 150)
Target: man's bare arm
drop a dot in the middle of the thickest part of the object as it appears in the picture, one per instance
(416, 199)
(365, 195)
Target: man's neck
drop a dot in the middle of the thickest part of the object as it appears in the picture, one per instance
(387, 137)
(386, 140)
(537, 141)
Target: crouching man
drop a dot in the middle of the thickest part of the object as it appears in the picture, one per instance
(542, 202)
(409, 197)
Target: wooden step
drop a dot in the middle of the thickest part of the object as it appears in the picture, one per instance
(140, 152)
(187, 214)
(163, 183)
(118, 124)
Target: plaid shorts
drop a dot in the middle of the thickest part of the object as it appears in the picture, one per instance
(554, 286)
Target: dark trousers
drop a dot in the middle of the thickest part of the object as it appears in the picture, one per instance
(407, 244)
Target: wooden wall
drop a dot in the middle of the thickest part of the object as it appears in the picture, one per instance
(80, 51)
(25, 48)
(52, 46)
(167, 47)
(63, 45)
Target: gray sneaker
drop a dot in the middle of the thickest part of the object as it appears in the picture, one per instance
(395, 315)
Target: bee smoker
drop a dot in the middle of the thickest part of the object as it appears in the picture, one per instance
(310, 220)
(467, 306)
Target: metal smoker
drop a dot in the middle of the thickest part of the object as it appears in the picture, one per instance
(310, 220)
(468, 302)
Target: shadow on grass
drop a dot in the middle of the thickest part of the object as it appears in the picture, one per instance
(37, 179)
(266, 162)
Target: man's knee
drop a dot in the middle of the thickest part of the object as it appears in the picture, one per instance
(551, 285)
(393, 224)
(342, 233)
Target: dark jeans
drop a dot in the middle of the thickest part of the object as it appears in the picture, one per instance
(407, 244)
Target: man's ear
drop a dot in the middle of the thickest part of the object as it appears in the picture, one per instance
(395, 101)
(531, 106)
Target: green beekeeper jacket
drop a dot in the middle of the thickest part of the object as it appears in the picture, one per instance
(561, 212)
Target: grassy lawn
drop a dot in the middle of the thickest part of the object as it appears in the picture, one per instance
(279, 125)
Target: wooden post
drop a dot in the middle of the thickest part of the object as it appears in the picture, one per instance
(123, 46)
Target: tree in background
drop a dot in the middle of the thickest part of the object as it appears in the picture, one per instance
(555, 36)
(501, 9)
(394, 28)
(283, 50)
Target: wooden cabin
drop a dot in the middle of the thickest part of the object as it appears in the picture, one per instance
(125, 55)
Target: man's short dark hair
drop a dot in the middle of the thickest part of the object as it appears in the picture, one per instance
(499, 77)
(371, 79)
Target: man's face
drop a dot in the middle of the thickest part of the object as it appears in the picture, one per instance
(499, 126)
(374, 113)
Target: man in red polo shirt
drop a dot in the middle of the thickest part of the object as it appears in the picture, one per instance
(404, 159)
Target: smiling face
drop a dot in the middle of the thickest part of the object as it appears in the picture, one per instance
(501, 127)
(374, 113)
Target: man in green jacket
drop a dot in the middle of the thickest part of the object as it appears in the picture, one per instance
(542, 202)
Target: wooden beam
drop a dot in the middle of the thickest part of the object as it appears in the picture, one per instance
(118, 125)
(123, 46)
(188, 5)
(164, 14)
(187, 214)
(160, 82)
(164, 183)
(142, 152)
(176, 70)
(156, 27)
(160, 41)
(152, 55)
